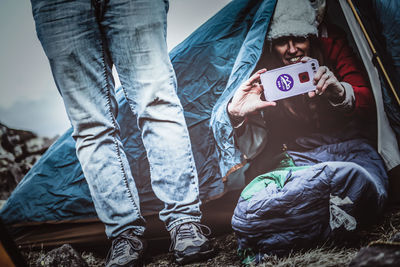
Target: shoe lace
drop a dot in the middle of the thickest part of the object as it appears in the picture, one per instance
(182, 233)
(119, 243)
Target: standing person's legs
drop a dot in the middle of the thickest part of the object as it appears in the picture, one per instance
(136, 31)
(81, 66)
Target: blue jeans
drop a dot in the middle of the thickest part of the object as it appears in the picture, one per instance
(82, 40)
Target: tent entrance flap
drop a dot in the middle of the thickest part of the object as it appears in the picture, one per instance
(387, 142)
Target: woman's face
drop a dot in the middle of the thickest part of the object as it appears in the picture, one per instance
(291, 49)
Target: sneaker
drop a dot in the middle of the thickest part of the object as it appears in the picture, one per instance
(189, 243)
(126, 250)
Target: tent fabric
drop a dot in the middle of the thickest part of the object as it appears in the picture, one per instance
(331, 188)
(245, 63)
(55, 188)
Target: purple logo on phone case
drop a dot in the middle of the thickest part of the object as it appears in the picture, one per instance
(284, 82)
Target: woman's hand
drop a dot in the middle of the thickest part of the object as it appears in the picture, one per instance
(246, 99)
(327, 84)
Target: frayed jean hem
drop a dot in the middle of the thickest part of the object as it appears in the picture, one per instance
(181, 221)
(136, 230)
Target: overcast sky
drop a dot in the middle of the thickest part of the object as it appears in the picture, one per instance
(29, 99)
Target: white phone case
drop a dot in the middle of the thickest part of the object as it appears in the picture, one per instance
(290, 80)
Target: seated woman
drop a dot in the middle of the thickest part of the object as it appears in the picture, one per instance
(313, 154)
(342, 93)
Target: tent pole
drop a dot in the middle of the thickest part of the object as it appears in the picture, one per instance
(374, 51)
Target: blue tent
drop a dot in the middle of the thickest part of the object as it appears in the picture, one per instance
(224, 52)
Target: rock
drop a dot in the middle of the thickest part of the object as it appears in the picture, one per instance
(19, 151)
(64, 256)
(382, 255)
(10, 175)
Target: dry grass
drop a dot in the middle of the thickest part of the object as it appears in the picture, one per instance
(321, 256)
(33, 258)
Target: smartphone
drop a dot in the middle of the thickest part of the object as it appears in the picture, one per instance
(289, 80)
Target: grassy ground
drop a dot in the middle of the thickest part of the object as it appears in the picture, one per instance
(335, 253)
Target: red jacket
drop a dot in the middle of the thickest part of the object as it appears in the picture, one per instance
(347, 68)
